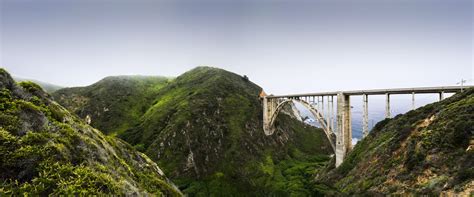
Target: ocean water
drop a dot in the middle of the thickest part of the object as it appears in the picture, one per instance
(399, 104)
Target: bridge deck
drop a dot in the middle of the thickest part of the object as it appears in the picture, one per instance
(420, 90)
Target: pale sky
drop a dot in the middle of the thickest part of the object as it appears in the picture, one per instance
(285, 46)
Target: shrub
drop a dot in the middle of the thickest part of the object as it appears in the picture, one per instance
(30, 86)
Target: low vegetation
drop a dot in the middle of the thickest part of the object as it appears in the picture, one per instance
(205, 130)
(44, 150)
(113, 104)
(47, 87)
(423, 152)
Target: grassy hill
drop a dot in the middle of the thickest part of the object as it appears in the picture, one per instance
(205, 130)
(47, 87)
(427, 151)
(45, 150)
(115, 103)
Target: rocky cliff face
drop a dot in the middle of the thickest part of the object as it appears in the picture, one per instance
(425, 151)
(46, 150)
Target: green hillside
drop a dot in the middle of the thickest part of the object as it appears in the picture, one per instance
(47, 87)
(427, 151)
(44, 150)
(115, 103)
(205, 130)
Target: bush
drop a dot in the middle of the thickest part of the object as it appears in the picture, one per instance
(64, 179)
(30, 86)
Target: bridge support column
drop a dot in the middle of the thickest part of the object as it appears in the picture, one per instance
(365, 125)
(344, 129)
(332, 113)
(329, 114)
(387, 106)
(413, 101)
(322, 106)
(318, 105)
(266, 114)
(269, 107)
(441, 96)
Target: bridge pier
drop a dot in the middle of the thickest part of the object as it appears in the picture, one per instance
(441, 96)
(318, 103)
(387, 105)
(344, 128)
(329, 114)
(322, 106)
(413, 101)
(269, 107)
(365, 125)
(332, 113)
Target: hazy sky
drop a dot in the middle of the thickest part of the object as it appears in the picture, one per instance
(284, 46)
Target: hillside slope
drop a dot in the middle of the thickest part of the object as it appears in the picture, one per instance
(425, 151)
(46, 150)
(113, 104)
(48, 87)
(205, 130)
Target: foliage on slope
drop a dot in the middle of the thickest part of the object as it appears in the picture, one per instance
(46, 150)
(205, 130)
(114, 104)
(424, 151)
(47, 87)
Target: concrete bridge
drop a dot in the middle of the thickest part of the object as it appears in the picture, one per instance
(321, 105)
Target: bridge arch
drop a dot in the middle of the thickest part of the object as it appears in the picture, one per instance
(319, 117)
